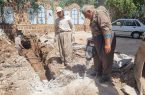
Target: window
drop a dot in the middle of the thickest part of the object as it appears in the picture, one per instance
(133, 23)
(74, 14)
(118, 23)
(50, 17)
(41, 15)
(81, 18)
(137, 23)
(37, 18)
(8, 15)
(129, 23)
(32, 16)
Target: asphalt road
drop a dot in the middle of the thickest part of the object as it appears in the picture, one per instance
(127, 45)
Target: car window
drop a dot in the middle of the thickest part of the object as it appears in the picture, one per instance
(129, 23)
(137, 23)
(116, 23)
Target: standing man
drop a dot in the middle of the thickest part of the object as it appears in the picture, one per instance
(63, 33)
(104, 40)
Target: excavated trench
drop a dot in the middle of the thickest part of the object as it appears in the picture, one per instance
(30, 54)
(36, 55)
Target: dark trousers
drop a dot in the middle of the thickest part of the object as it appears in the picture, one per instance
(102, 61)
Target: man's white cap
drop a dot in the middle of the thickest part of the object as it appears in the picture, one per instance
(58, 9)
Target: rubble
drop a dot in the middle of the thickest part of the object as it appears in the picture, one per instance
(129, 90)
(17, 77)
(77, 46)
(121, 60)
(64, 79)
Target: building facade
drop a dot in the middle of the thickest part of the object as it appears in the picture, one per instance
(41, 21)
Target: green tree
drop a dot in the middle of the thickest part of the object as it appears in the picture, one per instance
(121, 8)
(101, 2)
(140, 8)
(2, 10)
(139, 3)
(64, 3)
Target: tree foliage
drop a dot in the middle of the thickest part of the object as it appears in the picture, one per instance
(21, 4)
(121, 8)
(63, 3)
(2, 9)
(139, 3)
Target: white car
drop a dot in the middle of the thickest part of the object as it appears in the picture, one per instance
(128, 27)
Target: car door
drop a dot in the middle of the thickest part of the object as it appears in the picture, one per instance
(139, 26)
(128, 27)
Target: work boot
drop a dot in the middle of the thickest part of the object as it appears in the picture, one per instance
(104, 79)
(97, 74)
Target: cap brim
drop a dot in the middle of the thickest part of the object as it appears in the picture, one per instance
(58, 11)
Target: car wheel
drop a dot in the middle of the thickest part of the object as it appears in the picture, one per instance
(135, 35)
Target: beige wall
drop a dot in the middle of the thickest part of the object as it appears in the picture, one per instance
(21, 20)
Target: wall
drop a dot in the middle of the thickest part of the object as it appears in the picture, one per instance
(21, 19)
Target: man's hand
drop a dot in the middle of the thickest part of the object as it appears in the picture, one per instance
(107, 49)
(107, 45)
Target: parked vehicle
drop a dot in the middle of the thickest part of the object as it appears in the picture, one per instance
(128, 27)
